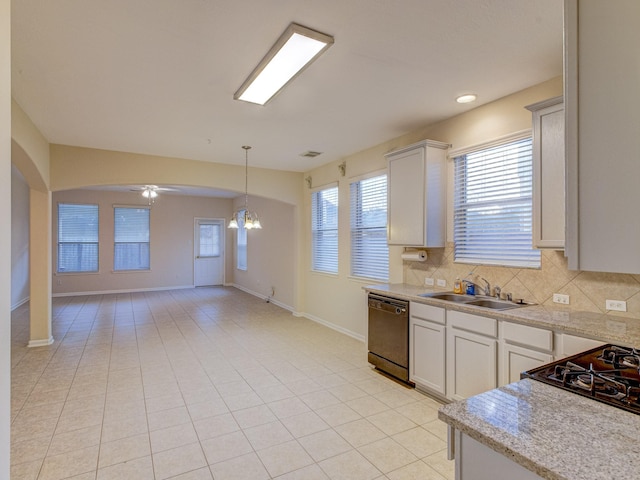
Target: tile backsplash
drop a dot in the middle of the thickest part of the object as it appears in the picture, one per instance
(587, 291)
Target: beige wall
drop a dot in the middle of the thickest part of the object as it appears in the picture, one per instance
(75, 167)
(19, 239)
(271, 252)
(30, 150)
(346, 308)
(172, 232)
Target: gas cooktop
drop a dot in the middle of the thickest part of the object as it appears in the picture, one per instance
(609, 374)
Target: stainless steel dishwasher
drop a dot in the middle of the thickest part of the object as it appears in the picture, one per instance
(388, 338)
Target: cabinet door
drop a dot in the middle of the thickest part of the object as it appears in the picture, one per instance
(426, 355)
(548, 173)
(476, 461)
(567, 345)
(406, 205)
(516, 360)
(471, 364)
(603, 121)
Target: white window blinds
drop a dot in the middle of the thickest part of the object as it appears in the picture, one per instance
(131, 238)
(493, 206)
(77, 238)
(369, 249)
(324, 230)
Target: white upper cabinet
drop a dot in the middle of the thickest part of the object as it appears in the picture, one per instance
(548, 173)
(417, 177)
(602, 75)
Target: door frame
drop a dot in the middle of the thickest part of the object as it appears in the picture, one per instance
(223, 245)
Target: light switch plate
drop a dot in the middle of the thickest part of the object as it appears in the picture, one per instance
(441, 282)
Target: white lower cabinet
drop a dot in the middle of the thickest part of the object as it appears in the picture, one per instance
(567, 345)
(472, 351)
(456, 355)
(522, 348)
(516, 359)
(475, 461)
(427, 348)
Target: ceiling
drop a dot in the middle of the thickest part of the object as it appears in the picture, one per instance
(158, 76)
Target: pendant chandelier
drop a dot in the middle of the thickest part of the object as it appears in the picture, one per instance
(243, 215)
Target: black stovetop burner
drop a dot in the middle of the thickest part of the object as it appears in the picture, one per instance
(610, 374)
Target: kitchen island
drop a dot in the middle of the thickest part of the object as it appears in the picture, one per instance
(551, 433)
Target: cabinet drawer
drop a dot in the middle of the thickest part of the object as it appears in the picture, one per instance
(473, 323)
(530, 336)
(427, 312)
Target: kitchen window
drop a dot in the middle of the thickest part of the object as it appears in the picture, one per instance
(131, 238)
(493, 205)
(324, 230)
(241, 245)
(77, 238)
(369, 249)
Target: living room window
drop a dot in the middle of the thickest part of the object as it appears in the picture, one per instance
(324, 230)
(131, 239)
(77, 238)
(493, 205)
(369, 249)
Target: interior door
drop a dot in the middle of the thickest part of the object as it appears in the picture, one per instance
(208, 264)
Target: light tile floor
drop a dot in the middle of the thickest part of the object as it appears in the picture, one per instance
(209, 383)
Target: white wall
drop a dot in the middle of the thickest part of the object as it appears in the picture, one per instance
(5, 235)
(172, 231)
(19, 239)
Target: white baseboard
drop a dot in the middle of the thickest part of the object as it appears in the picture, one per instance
(129, 290)
(19, 303)
(276, 302)
(263, 297)
(313, 318)
(40, 343)
(332, 326)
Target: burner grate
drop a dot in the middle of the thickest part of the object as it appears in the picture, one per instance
(610, 374)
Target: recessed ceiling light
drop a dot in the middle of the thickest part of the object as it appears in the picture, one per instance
(467, 98)
(296, 48)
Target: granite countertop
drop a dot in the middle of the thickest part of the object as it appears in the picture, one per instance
(557, 434)
(611, 328)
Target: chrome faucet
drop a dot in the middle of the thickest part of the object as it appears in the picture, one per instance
(486, 288)
(497, 291)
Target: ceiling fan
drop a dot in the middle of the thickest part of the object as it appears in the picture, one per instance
(150, 192)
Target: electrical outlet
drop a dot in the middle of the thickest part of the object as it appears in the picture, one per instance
(441, 282)
(560, 298)
(616, 305)
(428, 281)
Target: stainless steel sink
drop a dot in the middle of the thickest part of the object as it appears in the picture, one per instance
(449, 297)
(495, 304)
(471, 300)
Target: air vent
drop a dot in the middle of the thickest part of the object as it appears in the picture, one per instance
(310, 154)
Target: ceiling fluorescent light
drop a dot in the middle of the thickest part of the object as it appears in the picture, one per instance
(296, 48)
